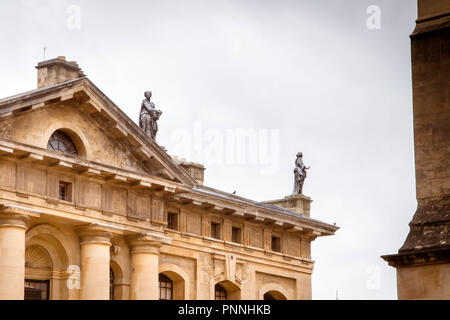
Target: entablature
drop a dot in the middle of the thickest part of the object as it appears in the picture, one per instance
(51, 159)
(254, 212)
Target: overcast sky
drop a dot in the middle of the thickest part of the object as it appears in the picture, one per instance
(308, 75)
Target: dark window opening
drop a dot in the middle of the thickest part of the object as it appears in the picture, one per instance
(236, 235)
(276, 244)
(165, 287)
(37, 289)
(61, 142)
(65, 191)
(111, 284)
(220, 292)
(172, 221)
(215, 230)
(268, 296)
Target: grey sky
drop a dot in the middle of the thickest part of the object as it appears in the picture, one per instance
(337, 91)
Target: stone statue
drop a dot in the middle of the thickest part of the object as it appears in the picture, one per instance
(299, 174)
(148, 116)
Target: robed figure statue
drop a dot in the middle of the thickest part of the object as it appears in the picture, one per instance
(149, 116)
(299, 174)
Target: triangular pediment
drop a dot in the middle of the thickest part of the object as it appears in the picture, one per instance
(106, 133)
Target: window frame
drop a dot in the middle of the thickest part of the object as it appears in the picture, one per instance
(47, 282)
(62, 138)
(69, 190)
(275, 246)
(220, 292)
(167, 280)
(236, 231)
(217, 234)
(173, 226)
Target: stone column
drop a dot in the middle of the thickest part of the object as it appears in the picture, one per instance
(144, 284)
(12, 256)
(144, 270)
(95, 264)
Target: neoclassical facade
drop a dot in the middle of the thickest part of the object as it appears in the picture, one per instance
(92, 208)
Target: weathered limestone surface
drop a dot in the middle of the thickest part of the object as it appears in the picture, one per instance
(95, 264)
(35, 128)
(297, 203)
(12, 255)
(98, 222)
(144, 274)
(423, 261)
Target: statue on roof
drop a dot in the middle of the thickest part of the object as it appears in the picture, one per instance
(149, 116)
(299, 174)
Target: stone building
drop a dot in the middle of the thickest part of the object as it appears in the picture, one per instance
(423, 262)
(93, 208)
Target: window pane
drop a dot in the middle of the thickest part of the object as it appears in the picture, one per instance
(60, 141)
(165, 288)
(220, 292)
(36, 289)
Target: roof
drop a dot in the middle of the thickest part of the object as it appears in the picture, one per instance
(10, 104)
(4, 102)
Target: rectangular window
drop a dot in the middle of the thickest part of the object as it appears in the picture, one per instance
(172, 221)
(276, 244)
(215, 230)
(65, 191)
(236, 235)
(36, 289)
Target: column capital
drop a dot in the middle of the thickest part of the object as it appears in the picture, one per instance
(93, 233)
(147, 242)
(15, 216)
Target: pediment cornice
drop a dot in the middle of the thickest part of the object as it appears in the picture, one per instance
(85, 95)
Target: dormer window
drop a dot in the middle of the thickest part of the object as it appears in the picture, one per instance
(61, 142)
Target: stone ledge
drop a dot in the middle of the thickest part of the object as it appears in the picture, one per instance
(419, 257)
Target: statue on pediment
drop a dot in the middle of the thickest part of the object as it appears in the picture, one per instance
(149, 116)
(299, 174)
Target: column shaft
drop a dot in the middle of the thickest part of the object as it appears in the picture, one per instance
(95, 267)
(144, 273)
(12, 258)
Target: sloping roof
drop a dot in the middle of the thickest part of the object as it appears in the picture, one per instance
(11, 100)
(273, 208)
(14, 103)
(11, 104)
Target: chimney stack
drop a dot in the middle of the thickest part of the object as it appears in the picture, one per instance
(195, 170)
(58, 70)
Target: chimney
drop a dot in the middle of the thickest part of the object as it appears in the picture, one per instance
(195, 170)
(54, 71)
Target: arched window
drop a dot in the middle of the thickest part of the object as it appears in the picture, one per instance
(165, 287)
(268, 296)
(221, 293)
(273, 295)
(61, 142)
(111, 284)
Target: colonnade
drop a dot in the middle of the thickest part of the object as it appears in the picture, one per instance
(95, 261)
